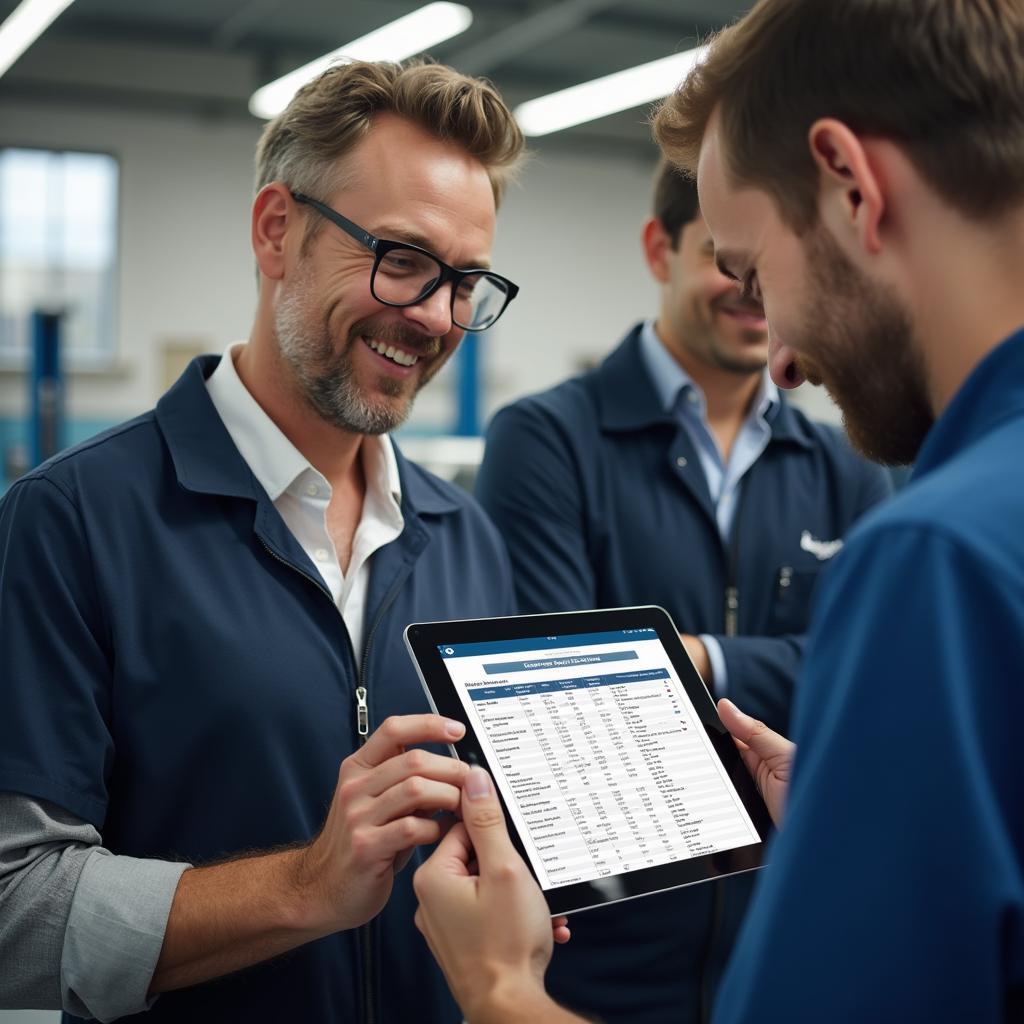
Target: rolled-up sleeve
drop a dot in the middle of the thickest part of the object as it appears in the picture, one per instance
(80, 928)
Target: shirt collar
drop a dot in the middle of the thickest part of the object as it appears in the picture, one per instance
(671, 380)
(274, 460)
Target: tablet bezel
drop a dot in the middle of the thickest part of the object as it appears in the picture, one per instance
(423, 640)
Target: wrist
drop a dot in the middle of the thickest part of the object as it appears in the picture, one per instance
(307, 907)
(698, 655)
(509, 999)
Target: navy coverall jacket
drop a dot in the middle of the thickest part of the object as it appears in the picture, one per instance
(175, 672)
(600, 496)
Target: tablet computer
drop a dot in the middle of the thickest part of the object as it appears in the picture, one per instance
(616, 775)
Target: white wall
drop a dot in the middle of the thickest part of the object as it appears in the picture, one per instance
(185, 267)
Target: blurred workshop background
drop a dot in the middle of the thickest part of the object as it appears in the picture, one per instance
(126, 147)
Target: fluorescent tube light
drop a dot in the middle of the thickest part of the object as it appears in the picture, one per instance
(24, 25)
(619, 91)
(397, 40)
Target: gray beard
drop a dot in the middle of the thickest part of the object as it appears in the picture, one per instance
(323, 379)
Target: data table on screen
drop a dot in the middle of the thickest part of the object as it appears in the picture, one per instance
(607, 772)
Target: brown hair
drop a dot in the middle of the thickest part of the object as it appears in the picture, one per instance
(329, 116)
(675, 199)
(943, 78)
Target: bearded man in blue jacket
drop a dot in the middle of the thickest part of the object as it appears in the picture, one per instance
(677, 474)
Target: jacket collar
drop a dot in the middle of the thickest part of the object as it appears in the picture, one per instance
(628, 399)
(206, 460)
(422, 492)
(204, 456)
(992, 394)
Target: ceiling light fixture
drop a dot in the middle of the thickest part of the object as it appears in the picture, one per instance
(608, 95)
(397, 40)
(24, 25)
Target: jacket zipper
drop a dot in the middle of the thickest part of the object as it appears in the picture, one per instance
(362, 715)
(732, 609)
(732, 628)
(363, 730)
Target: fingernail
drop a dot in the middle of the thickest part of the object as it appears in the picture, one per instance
(478, 784)
(453, 729)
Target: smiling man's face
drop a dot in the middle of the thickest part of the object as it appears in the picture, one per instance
(356, 362)
(702, 314)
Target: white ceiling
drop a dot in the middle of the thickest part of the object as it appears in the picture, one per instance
(205, 57)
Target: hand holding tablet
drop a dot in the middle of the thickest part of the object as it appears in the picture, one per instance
(616, 775)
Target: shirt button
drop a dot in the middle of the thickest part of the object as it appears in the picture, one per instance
(680, 462)
(321, 554)
(312, 490)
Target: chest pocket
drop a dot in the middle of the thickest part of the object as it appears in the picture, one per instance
(791, 599)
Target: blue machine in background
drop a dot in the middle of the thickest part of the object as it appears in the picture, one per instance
(467, 417)
(46, 400)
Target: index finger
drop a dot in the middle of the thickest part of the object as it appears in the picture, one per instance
(396, 733)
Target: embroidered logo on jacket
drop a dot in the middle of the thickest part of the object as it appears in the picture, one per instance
(821, 549)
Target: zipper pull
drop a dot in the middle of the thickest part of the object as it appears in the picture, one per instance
(732, 605)
(362, 712)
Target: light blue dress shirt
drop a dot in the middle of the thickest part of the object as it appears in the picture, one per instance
(681, 396)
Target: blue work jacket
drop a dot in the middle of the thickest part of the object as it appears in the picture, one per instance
(601, 499)
(895, 889)
(175, 672)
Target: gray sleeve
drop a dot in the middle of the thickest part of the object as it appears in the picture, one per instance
(80, 929)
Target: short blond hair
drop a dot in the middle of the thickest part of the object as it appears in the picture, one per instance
(329, 116)
(944, 79)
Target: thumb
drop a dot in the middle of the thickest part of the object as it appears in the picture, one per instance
(483, 818)
(755, 734)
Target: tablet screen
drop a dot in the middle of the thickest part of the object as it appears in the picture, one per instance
(598, 752)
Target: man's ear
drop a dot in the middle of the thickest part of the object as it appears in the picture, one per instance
(657, 246)
(272, 212)
(851, 190)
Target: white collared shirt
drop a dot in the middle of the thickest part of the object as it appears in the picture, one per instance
(682, 396)
(301, 493)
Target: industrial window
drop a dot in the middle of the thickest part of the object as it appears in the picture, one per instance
(58, 252)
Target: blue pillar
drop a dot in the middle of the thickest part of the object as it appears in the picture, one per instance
(467, 417)
(46, 401)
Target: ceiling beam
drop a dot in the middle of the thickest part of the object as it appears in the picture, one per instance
(234, 28)
(549, 22)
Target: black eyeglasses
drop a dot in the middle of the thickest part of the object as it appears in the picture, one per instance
(404, 275)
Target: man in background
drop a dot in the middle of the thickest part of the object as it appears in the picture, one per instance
(675, 474)
(201, 610)
(860, 167)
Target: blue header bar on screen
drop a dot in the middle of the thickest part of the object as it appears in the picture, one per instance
(543, 643)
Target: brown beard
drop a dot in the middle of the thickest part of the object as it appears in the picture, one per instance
(862, 346)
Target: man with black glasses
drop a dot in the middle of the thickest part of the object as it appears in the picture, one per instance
(676, 474)
(201, 609)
